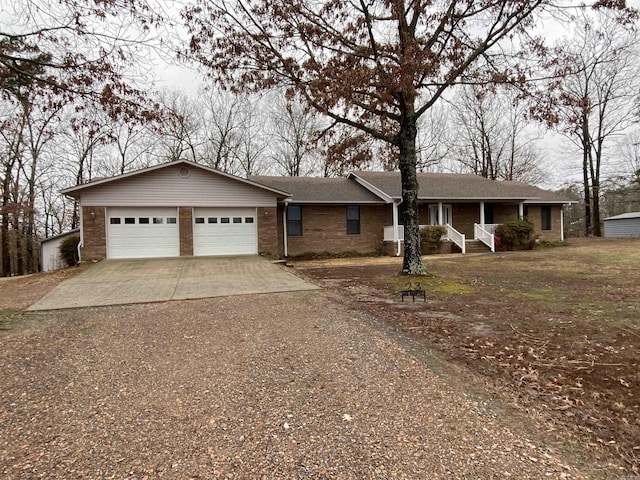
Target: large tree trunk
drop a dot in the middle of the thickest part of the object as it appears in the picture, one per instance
(412, 263)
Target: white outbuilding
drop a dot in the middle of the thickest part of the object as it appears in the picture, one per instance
(626, 225)
(50, 258)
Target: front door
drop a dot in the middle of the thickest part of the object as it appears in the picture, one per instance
(446, 214)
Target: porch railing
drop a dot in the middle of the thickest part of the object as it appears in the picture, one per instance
(490, 227)
(457, 238)
(481, 233)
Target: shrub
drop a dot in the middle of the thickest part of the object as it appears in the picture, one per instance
(516, 235)
(69, 250)
(431, 238)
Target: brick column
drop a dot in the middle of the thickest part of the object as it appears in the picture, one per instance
(185, 219)
(267, 230)
(94, 234)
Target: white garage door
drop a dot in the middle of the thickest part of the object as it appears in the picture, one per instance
(142, 232)
(225, 231)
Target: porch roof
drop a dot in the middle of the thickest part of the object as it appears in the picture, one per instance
(320, 189)
(454, 186)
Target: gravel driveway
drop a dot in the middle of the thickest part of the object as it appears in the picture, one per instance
(288, 385)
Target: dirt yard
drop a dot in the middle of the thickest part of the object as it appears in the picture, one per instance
(554, 331)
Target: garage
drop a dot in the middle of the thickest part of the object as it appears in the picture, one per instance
(224, 231)
(176, 209)
(142, 232)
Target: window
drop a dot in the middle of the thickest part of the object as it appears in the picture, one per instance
(248, 219)
(545, 217)
(294, 220)
(157, 220)
(224, 220)
(199, 219)
(171, 220)
(212, 220)
(129, 220)
(237, 219)
(143, 220)
(353, 220)
(115, 221)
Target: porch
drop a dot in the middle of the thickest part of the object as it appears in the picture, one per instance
(465, 222)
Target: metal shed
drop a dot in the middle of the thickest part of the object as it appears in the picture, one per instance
(626, 225)
(50, 251)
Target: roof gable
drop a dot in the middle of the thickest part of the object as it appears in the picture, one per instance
(75, 191)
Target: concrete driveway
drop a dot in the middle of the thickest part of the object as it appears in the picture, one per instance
(117, 282)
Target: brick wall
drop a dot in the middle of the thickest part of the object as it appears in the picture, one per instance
(94, 234)
(268, 230)
(324, 229)
(464, 216)
(185, 215)
(535, 217)
(505, 213)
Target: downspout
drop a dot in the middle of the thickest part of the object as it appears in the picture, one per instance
(284, 230)
(81, 242)
(395, 227)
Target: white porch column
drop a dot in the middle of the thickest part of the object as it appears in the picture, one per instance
(562, 223)
(482, 213)
(521, 210)
(284, 231)
(439, 213)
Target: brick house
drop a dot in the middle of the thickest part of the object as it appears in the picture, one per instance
(363, 212)
(181, 209)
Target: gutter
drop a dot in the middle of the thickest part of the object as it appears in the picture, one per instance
(284, 230)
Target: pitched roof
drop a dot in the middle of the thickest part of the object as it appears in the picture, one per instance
(320, 189)
(457, 186)
(623, 216)
(75, 190)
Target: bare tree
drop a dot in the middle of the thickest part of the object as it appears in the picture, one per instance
(293, 132)
(180, 128)
(494, 139)
(596, 101)
(222, 117)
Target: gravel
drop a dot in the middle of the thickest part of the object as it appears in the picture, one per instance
(271, 386)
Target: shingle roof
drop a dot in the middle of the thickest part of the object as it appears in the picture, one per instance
(319, 189)
(454, 186)
(623, 216)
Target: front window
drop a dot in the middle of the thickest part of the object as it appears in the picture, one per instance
(353, 220)
(294, 220)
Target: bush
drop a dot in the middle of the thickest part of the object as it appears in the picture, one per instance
(431, 238)
(516, 235)
(69, 250)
